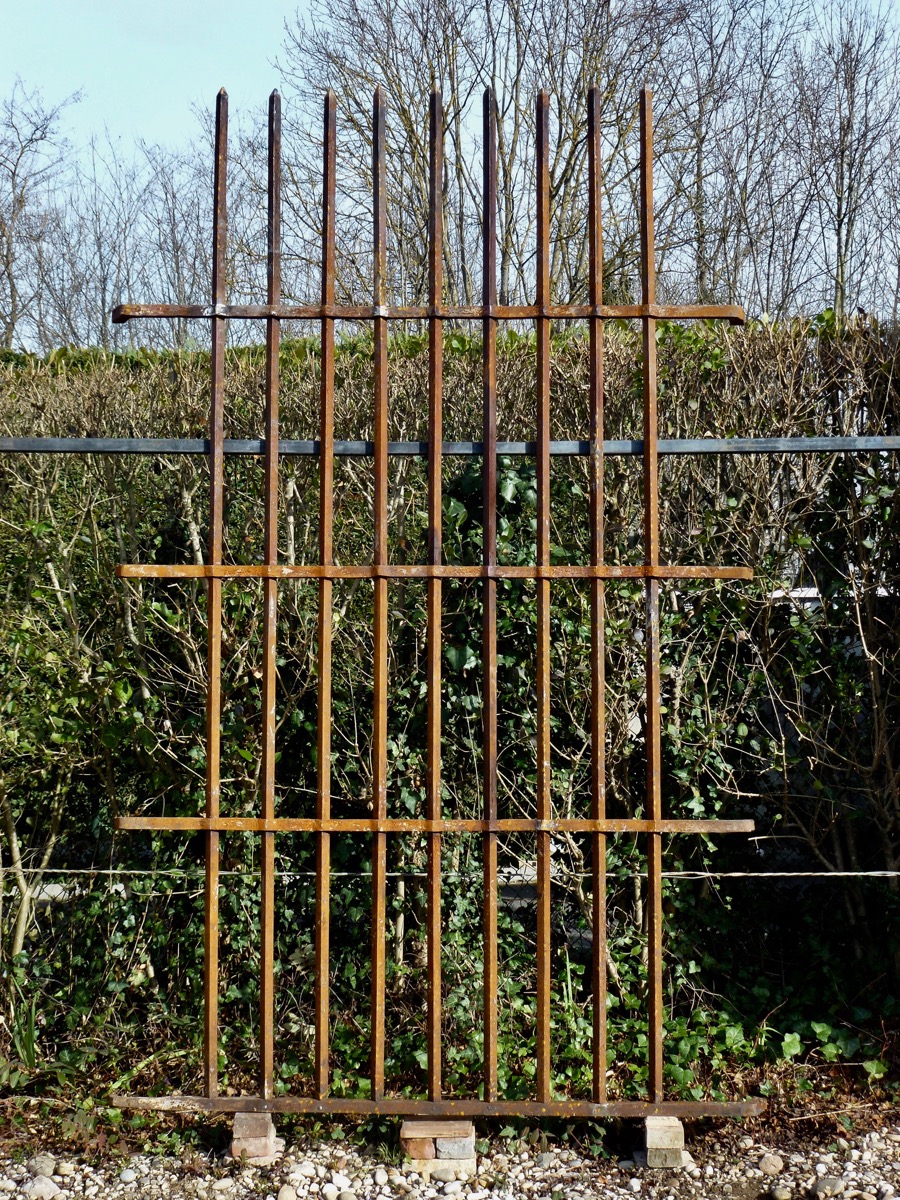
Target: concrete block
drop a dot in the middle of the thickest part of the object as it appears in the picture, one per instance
(455, 1147)
(663, 1156)
(664, 1133)
(252, 1125)
(665, 1141)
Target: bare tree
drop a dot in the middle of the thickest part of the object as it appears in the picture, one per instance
(31, 150)
(776, 166)
(774, 140)
(510, 47)
(846, 87)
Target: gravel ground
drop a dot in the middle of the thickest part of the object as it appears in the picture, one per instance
(866, 1168)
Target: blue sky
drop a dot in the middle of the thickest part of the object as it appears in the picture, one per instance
(143, 67)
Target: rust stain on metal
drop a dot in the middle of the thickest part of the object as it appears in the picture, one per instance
(270, 611)
(214, 603)
(451, 1109)
(651, 558)
(542, 176)
(489, 587)
(449, 312)
(613, 825)
(490, 826)
(380, 676)
(426, 571)
(598, 623)
(434, 598)
(326, 530)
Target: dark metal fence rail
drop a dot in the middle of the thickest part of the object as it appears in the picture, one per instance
(598, 826)
(360, 449)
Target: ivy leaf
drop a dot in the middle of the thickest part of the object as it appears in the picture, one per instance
(460, 658)
(791, 1046)
(874, 1068)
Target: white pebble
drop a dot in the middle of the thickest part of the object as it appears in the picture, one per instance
(41, 1188)
(128, 1176)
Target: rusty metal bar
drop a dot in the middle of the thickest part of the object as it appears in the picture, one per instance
(651, 558)
(425, 571)
(449, 312)
(489, 587)
(598, 604)
(270, 610)
(433, 603)
(326, 557)
(403, 1107)
(214, 603)
(542, 586)
(630, 825)
(380, 677)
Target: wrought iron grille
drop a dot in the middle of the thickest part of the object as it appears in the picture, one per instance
(268, 825)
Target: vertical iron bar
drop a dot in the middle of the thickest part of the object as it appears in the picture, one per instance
(489, 589)
(598, 616)
(270, 612)
(651, 557)
(542, 179)
(326, 539)
(380, 698)
(435, 440)
(214, 602)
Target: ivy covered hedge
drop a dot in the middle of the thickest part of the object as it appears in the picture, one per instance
(781, 702)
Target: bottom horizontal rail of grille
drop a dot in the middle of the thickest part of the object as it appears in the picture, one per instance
(400, 1107)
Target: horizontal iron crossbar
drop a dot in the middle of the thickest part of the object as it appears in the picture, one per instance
(423, 571)
(411, 825)
(471, 312)
(571, 1109)
(622, 448)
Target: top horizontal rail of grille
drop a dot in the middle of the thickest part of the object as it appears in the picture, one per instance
(437, 312)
